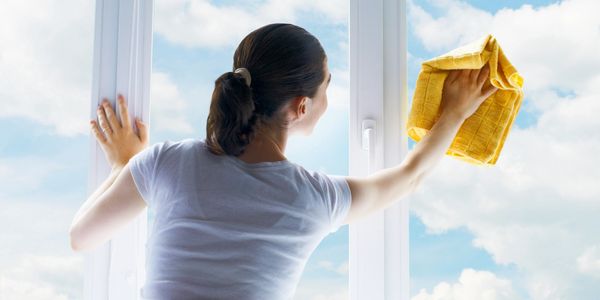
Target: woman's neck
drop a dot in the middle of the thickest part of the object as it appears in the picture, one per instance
(265, 147)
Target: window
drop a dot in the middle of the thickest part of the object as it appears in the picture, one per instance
(524, 229)
(527, 227)
(113, 55)
(118, 271)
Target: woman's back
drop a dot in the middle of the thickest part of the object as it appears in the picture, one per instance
(227, 229)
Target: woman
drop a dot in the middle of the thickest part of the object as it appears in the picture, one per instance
(234, 218)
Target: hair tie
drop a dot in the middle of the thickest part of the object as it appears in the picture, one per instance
(245, 73)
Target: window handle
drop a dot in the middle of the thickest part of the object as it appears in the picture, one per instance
(368, 142)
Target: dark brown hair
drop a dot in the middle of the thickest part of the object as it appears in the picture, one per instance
(285, 61)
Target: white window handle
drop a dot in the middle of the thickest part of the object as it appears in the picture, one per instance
(368, 141)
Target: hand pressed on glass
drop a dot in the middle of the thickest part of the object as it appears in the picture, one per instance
(464, 90)
(118, 141)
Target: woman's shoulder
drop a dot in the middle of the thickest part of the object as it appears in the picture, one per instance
(170, 149)
(175, 145)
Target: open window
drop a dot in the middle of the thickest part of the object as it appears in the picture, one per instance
(166, 70)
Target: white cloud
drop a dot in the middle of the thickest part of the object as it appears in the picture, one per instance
(335, 295)
(449, 30)
(21, 290)
(553, 46)
(321, 289)
(325, 279)
(30, 171)
(46, 76)
(472, 284)
(42, 278)
(46, 54)
(46, 61)
(589, 261)
(538, 207)
(36, 261)
(338, 92)
(168, 107)
(341, 269)
(200, 23)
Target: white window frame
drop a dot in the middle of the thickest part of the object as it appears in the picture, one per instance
(378, 262)
(122, 64)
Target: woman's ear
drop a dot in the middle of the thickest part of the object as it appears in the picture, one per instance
(297, 107)
(304, 106)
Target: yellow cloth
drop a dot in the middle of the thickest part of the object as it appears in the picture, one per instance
(482, 135)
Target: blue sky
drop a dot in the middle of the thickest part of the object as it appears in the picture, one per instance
(472, 229)
(442, 257)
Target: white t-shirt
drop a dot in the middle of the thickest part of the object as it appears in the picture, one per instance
(228, 229)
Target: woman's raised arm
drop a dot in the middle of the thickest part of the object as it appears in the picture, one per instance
(463, 92)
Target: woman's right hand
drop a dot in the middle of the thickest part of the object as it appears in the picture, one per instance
(464, 90)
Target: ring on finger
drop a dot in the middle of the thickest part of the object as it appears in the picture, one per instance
(105, 127)
(103, 120)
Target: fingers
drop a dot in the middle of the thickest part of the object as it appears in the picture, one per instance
(488, 90)
(123, 112)
(465, 73)
(109, 123)
(96, 131)
(110, 115)
(473, 74)
(142, 130)
(452, 75)
(103, 121)
(483, 75)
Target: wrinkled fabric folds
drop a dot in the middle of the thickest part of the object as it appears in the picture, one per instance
(481, 137)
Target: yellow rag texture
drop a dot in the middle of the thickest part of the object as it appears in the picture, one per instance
(481, 137)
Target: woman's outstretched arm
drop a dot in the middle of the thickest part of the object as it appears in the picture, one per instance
(463, 92)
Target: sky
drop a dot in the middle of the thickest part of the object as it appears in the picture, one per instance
(523, 229)
(527, 227)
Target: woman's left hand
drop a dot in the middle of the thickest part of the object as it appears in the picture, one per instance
(118, 141)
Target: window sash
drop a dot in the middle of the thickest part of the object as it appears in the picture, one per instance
(378, 260)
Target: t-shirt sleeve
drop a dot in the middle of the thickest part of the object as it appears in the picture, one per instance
(338, 198)
(143, 167)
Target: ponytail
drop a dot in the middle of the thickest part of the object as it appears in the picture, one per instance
(233, 115)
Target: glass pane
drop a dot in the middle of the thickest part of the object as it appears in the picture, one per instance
(194, 43)
(525, 228)
(45, 82)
